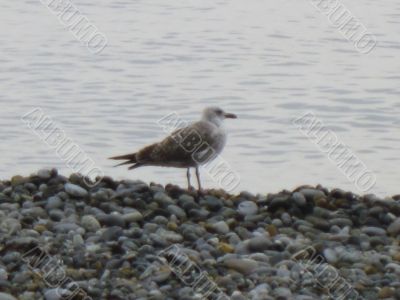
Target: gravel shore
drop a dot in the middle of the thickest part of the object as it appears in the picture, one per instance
(121, 240)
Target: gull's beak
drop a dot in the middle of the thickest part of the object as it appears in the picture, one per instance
(230, 116)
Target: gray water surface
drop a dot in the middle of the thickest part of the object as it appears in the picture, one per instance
(267, 61)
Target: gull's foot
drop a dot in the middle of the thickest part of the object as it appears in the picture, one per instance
(191, 189)
(196, 193)
(201, 192)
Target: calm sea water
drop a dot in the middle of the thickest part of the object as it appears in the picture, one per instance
(267, 61)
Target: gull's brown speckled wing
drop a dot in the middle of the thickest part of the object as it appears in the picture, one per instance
(183, 148)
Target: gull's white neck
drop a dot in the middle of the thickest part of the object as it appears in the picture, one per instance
(216, 121)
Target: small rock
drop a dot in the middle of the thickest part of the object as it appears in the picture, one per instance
(112, 233)
(27, 296)
(56, 294)
(163, 199)
(177, 211)
(299, 199)
(393, 268)
(113, 219)
(44, 174)
(78, 240)
(35, 212)
(312, 193)
(319, 223)
(172, 237)
(75, 190)
(244, 266)
(259, 244)
(56, 215)
(341, 222)
(156, 295)
(24, 242)
(66, 227)
(236, 295)
(386, 292)
(213, 203)
(90, 223)
(4, 296)
(330, 255)
(185, 198)
(226, 248)
(272, 230)
(221, 227)
(132, 217)
(261, 291)
(282, 293)
(247, 208)
(286, 219)
(3, 274)
(370, 230)
(278, 202)
(9, 225)
(394, 228)
(54, 202)
(17, 180)
(198, 214)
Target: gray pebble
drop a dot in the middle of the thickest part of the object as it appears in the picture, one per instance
(299, 199)
(44, 174)
(113, 219)
(259, 244)
(394, 228)
(133, 216)
(3, 274)
(370, 230)
(221, 227)
(244, 266)
(75, 190)
(282, 293)
(177, 211)
(4, 296)
(56, 294)
(247, 208)
(163, 199)
(90, 223)
(330, 255)
(54, 202)
(312, 194)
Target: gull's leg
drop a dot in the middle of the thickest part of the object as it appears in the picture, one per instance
(188, 178)
(198, 177)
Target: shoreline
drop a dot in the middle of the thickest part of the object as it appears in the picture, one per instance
(126, 240)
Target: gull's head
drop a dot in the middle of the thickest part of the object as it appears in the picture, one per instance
(216, 115)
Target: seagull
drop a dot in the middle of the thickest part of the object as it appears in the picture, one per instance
(188, 147)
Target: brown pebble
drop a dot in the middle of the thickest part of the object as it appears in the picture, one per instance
(272, 230)
(386, 292)
(226, 248)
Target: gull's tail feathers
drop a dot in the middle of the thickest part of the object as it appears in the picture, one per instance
(138, 159)
(130, 159)
(131, 156)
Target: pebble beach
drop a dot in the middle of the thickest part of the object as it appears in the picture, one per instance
(114, 241)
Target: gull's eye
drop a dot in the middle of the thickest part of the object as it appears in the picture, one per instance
(219, 112)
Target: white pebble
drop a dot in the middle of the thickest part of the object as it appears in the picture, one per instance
(247, 208)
